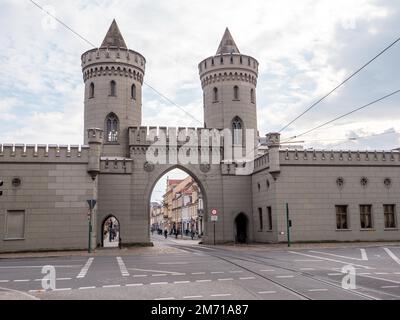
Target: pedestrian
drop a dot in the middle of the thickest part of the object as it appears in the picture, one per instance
(165, 233)
(192, 234)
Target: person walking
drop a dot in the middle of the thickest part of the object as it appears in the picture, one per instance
(165, 233)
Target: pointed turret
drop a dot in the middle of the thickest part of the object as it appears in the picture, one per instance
(227, 44)
(114, 38)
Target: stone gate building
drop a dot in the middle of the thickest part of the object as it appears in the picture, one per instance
(332, 195)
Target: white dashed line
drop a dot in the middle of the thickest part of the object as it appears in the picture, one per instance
(86, 288)
(335, 274)
(389, 287)
(247, 278)
(266, 292)
(267, 270)
(35, 291)
(317, 290)
(22, 280)
(198, 273)
(85, 268)
(226, 279)
(396, 273)
(122, 267)
(4, 281)
(208, 280)
(217, 272)
(221, 295)
(381, 273)
(285, 276)
(168, 298)
(192, 297)
(139, 275)
(157, 283)
(112, 286)
(62, 289)
(133, 284)
(61, 279)
(180, 282)
(159, 275)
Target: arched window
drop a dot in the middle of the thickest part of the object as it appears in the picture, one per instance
(237, 127)
(252, 96)
(112, 125)
(133, 92)
(215, 96)
(235, 93)
(91, 90)
(113, 88)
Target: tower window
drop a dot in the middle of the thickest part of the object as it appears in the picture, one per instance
(91, 91)
(237, 130)
(112, 125)
(113, 88)
(235, 93)
(231, 59)
(215, 95)
(252, 96)
(133, 92)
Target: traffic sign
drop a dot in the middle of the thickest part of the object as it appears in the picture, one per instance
(214, 212)
(214, 218)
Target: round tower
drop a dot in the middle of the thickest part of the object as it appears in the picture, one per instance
(113, 76)
(229, 81)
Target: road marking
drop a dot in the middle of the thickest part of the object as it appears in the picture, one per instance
(392, 255)
(285, 276)
(61, 279)
(62, 289)
(112, 286)
(267, 270)
(86, 288)
(38, 290)
(208, 280)
(328, 259)
(122, 267)
(217, 272)
(383, 279)
(160, 271)
(266, 292)
(198, 273)
(381, 273)
(236, 271)
(307, 269)
(157, 283)
(317, 290)
(139, 275)
(172, 263)
(226, 279)
(180, 282)
(192, 297)
(133, 284)
(335, 274)
(159, 275)
(22, 280)
(168, 298)
(396, 273)
(389, 287)
(247, 278)
(363, 255)
(221, 295)
(4, 281)
(85, 268)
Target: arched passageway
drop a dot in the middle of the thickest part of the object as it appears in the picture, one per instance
(241, 224)
(110, 232)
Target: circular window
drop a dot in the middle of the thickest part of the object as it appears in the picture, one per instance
(364, 181)
(340, 182)
(387, 182)
(16, 182)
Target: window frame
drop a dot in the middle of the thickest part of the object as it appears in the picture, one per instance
(260, 219)
(6, 218)
(115, 118)
(269, 216)
(91, 90)
(113, 88)
(370, 213)
(133, 92)
(394, 217)
(347, 217)
(215, 95)
(236, 93)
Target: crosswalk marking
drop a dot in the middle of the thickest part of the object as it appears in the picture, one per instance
(391, 254)
(85, 268)
(122, 267)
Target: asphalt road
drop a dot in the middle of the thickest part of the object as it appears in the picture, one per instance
(210, 273)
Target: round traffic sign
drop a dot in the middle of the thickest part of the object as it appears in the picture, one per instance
(214, 212)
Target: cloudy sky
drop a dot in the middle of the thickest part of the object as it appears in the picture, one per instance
(305, 48)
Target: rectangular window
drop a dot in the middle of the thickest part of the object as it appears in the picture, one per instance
(269, 211)
(260, 218)
(15, 224)
(341, 218)
(366, 216)
(389, 213)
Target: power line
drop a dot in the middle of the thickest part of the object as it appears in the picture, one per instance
(344, 115)
(87, 41)
(341, 84)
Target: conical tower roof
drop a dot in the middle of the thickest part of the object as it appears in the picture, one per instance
(227, 44)
(114, 38)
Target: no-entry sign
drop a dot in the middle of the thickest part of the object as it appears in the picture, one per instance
(214, 212)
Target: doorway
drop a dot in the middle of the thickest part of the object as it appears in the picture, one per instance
(241, 228)
(111, 232)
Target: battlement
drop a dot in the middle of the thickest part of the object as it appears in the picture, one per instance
(113, 61)
(43, 153)
(228, 67)
(146, 136)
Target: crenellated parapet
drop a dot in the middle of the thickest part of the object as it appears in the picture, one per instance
(44, 153)
(228, 67)
(350, 157)
(113, 62)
